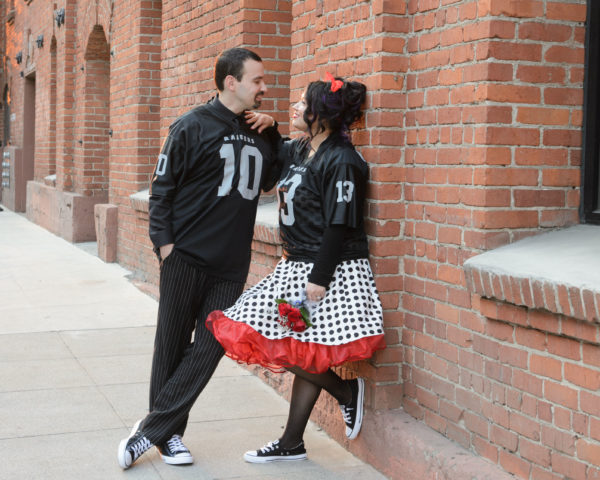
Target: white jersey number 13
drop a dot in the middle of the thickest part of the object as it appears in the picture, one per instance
(344, 191)
(286, 198)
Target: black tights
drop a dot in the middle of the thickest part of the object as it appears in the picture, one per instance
(305, 392)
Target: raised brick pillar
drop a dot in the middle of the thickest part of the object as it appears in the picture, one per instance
(106, 221)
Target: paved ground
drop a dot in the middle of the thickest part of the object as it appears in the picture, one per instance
(75, 349)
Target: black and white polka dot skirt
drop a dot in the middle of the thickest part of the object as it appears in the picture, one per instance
(347, 325)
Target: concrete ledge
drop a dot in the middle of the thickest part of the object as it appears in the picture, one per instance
(266, 228)
(266, 214)
(140, 201)
(50, 180)
(403, 448)
(67, 214)
(557, 271)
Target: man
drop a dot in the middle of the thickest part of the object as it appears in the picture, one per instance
(203, 200)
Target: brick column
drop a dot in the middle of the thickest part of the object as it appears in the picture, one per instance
(135, 123)
(493, 151)
(366, 41)
(65, 103)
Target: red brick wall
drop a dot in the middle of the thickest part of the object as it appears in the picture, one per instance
(50, 140)
(6, 14)
(30, 21)
(541, 359)
(202, 32)
(530, 401)
(266, 252)
(135, 123)
(92, 95)
(45, 77)
(93, 128)
(493, 116)
(18, 34)
(3, 65)
(22, 32)
(364, 41)
(65, 102)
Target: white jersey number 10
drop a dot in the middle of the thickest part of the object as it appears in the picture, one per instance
(248, 154)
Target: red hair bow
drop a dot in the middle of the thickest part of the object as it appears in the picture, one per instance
(335, 84)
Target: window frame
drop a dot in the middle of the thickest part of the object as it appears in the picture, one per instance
(589, 210)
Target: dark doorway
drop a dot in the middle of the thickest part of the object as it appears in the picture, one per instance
(27, 162)
(6, 119)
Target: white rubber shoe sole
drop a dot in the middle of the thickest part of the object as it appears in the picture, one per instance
(123, 456)
(177, 460)
(352, 434)
(251, 457)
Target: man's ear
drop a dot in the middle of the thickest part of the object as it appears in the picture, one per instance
(229, 82)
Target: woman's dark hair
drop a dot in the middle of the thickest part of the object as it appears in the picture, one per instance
(335, 110)
(231, 62)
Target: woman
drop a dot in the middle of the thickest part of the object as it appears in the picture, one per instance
(324, 276)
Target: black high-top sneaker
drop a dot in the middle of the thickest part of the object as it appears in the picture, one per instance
(272, 452)
(353, 411)
(133, 447)
(174, 452)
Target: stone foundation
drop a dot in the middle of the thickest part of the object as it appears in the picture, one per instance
(67, 214)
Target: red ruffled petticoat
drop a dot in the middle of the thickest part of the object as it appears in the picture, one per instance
(245, 345)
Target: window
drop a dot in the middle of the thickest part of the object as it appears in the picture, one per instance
(590, 181)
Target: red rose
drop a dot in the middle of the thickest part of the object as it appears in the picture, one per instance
(290, 317)
(299, 325)
(296, 321)
(284, 309)
(294, 315)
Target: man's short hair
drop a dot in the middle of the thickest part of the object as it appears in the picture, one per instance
(231, 62)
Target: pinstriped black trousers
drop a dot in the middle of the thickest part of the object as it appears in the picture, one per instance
(181, 368)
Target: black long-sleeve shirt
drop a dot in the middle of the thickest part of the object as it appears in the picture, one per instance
(205, 188)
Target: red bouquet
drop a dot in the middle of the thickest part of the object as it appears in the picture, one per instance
(293, 316)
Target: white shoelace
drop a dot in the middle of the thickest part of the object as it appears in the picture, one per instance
(269, 446)
(176, 445)
(346, 413)
(140, 447)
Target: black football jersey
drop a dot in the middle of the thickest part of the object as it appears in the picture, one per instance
(328, 189)
(205, 189)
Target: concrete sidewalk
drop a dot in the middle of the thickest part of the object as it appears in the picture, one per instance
(75, 349)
